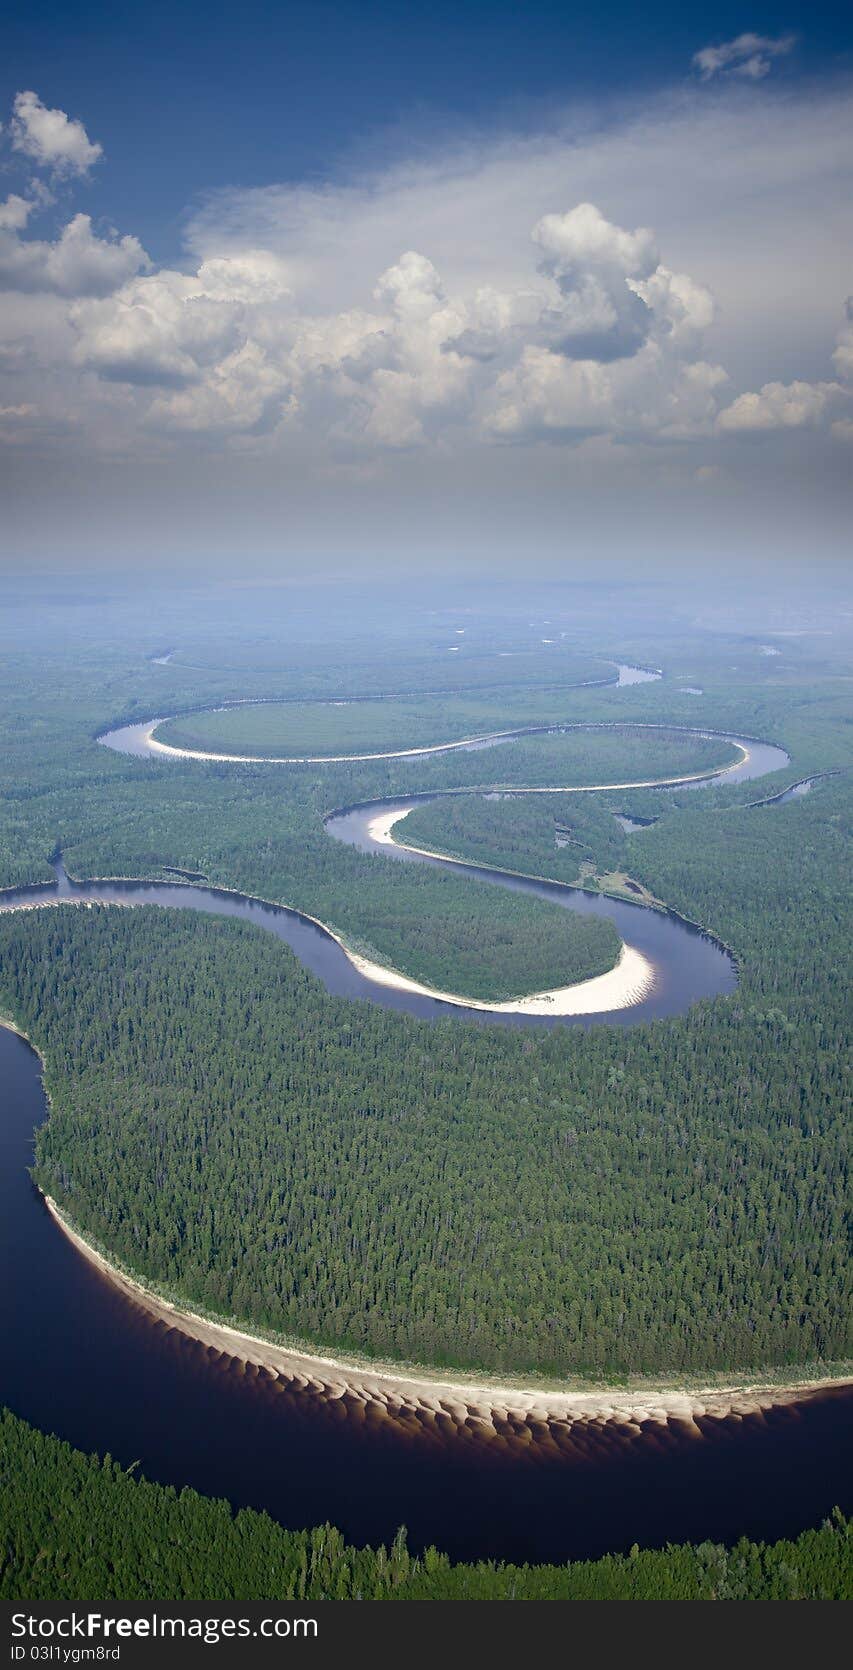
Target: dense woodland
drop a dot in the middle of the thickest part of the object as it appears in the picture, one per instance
(253, 828)
(553, 835)
(663, 1198)
(77, 1527)
(567, 1201)
(365, 727)
(349, 726)
(260, 829)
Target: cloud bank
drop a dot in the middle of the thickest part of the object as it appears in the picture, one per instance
(657, 294)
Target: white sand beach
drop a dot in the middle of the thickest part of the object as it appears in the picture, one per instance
(464, 1405)
(628, 982)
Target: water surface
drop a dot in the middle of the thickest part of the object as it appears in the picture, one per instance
(688, 964)
(83, 1361)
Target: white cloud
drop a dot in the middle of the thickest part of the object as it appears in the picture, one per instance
(237, 396)
(78, 264)
(602, 339)
(169, 328)
(210, 338)
(598, 312)
(253, 277)
(547, 394)
(747, 55)
(583, 241)
(797, 405)
(14, 213)
(159, 330)
(235, 341)
(682, 308)
(780, 406)
(412, 287)
(698, 170)
(509, 292)
(629, 325)
(51, 138)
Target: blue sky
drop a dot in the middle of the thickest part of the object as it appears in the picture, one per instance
(187, 97)
(328, 277)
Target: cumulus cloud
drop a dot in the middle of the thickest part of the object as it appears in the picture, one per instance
(582, 352)
(780, 406)
(239, 395)
(682, 308)
(204, 346)
(160, 330)
(50, 138)
(238, 350)
(602, 338)
(584, 241)
(750, 56)
(510, 295)
(78, 263)
(14, 213)
(599, 313)
(613, 351)
(547, 394)
(798, 405)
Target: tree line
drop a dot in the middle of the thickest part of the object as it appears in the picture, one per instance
(80, 1528)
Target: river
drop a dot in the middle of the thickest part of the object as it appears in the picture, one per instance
(83, 1360)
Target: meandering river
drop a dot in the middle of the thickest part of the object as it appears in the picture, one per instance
(85, 1360)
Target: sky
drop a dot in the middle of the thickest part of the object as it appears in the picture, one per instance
(357, 287)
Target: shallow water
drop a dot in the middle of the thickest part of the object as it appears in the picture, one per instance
(636, 675)
(632, 825)
(795, 792)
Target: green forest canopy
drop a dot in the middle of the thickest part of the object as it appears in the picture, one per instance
(78, 1528)
(599, 1202)
(668, 1198)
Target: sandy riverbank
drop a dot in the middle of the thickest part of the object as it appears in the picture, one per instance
(159, 747)
(156, 746)
(621, 987)
(462, 1406)
(628, 982)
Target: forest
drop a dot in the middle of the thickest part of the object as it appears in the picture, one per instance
(600, 1202)
(554, 835)
(369, 727)
(664, 1198)
(78, 1527)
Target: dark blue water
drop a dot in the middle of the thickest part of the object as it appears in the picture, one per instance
(83, 1361)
